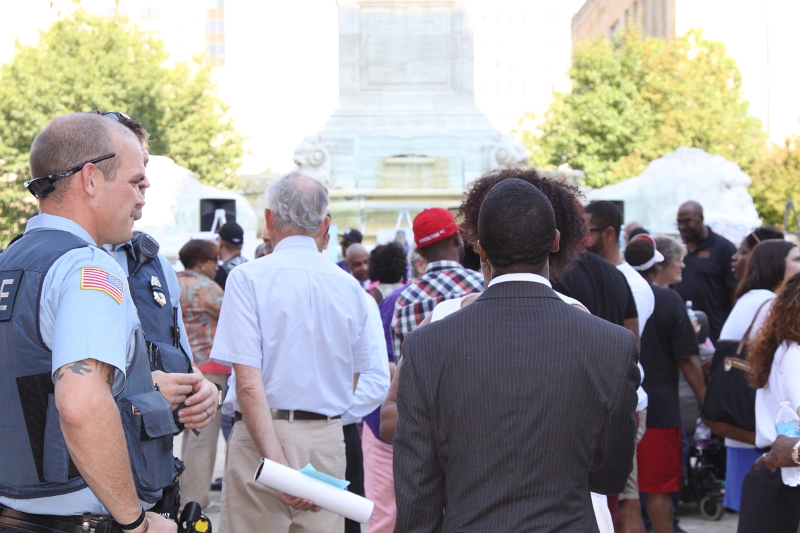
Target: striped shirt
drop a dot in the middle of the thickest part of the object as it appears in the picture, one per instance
(443, 280)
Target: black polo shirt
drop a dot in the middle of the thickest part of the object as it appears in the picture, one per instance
(602, 288)
(667, 337)
(708, 280)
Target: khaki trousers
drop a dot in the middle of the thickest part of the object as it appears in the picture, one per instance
(250, 507)
(632, 487)
(199, 453)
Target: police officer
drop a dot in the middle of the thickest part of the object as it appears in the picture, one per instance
(86, 440)
(155, 291)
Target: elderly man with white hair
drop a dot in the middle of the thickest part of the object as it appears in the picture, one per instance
(298, 331)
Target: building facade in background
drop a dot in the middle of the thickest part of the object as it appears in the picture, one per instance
(761, 36)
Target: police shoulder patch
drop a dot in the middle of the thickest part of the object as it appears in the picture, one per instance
(98, 279)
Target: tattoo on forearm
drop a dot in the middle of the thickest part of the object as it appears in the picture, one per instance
(83, 368)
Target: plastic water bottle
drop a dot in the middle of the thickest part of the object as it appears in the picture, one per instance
(702, 435)
(788, 423)
(689, 310)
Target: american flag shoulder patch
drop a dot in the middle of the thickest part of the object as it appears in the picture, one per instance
(100, 280)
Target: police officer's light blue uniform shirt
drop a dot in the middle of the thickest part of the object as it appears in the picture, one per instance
(78, 324)
(121, 256)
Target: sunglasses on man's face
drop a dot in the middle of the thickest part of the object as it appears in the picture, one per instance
(43, 185)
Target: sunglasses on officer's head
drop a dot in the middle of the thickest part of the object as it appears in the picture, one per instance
(43, 185)
(113, 115)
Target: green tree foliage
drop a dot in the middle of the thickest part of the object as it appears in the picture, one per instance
(776, 178)
(635, 99)
(87, 62)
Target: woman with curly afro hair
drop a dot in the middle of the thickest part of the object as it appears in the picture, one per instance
(566, 207)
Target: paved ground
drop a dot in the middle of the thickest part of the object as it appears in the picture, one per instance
(690, 518)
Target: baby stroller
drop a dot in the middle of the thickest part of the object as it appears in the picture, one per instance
(701, 481)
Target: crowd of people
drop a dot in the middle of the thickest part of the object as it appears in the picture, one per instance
(538, 393)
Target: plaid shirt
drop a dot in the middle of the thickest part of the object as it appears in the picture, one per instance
(443, 280)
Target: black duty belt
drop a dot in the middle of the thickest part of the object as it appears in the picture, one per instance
(38, 523)
(284, 414)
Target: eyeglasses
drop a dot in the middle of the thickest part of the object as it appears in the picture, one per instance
(43, 185)
(116, 116)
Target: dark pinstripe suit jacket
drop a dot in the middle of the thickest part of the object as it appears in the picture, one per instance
(510, 411)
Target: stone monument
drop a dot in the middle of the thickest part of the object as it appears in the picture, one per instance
(720, 186)
(407, 116)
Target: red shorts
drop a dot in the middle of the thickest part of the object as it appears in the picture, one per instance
(660, 460)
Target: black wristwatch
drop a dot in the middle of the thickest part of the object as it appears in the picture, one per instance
(220, 396)
(133, 525)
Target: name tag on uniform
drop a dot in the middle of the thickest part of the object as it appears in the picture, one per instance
(9, 283)
(705, 254)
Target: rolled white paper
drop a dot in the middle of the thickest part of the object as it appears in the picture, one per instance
(284, 479)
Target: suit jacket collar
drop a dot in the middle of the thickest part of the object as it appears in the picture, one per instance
(518, 289)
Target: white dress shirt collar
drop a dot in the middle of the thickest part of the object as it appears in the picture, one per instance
(536, 278)
(296, 241)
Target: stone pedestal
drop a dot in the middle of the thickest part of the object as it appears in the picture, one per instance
(407, 116)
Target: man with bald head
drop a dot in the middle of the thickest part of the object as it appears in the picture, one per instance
(297, 330)
(87, 441)
(357, 258)
(708, 280)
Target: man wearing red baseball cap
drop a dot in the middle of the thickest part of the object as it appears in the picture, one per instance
(439, 242)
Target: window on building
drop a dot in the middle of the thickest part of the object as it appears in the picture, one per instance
(549, 87)
(548, 14)
(215, 33)
(149, 13)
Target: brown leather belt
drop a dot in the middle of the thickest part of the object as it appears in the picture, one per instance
(284, 414)
(17, 521)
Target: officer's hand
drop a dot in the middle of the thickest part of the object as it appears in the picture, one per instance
(201, 407)
(155, 523)
(175, 387)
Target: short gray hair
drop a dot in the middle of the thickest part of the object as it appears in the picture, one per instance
(297, 200)
(671, 248)
(70, 140)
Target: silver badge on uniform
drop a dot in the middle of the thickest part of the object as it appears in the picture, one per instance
(158, 292)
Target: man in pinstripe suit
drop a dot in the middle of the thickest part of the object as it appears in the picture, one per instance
(513, 409)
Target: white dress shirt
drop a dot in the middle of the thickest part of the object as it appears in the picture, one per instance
(304, 322)
(373, 383)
